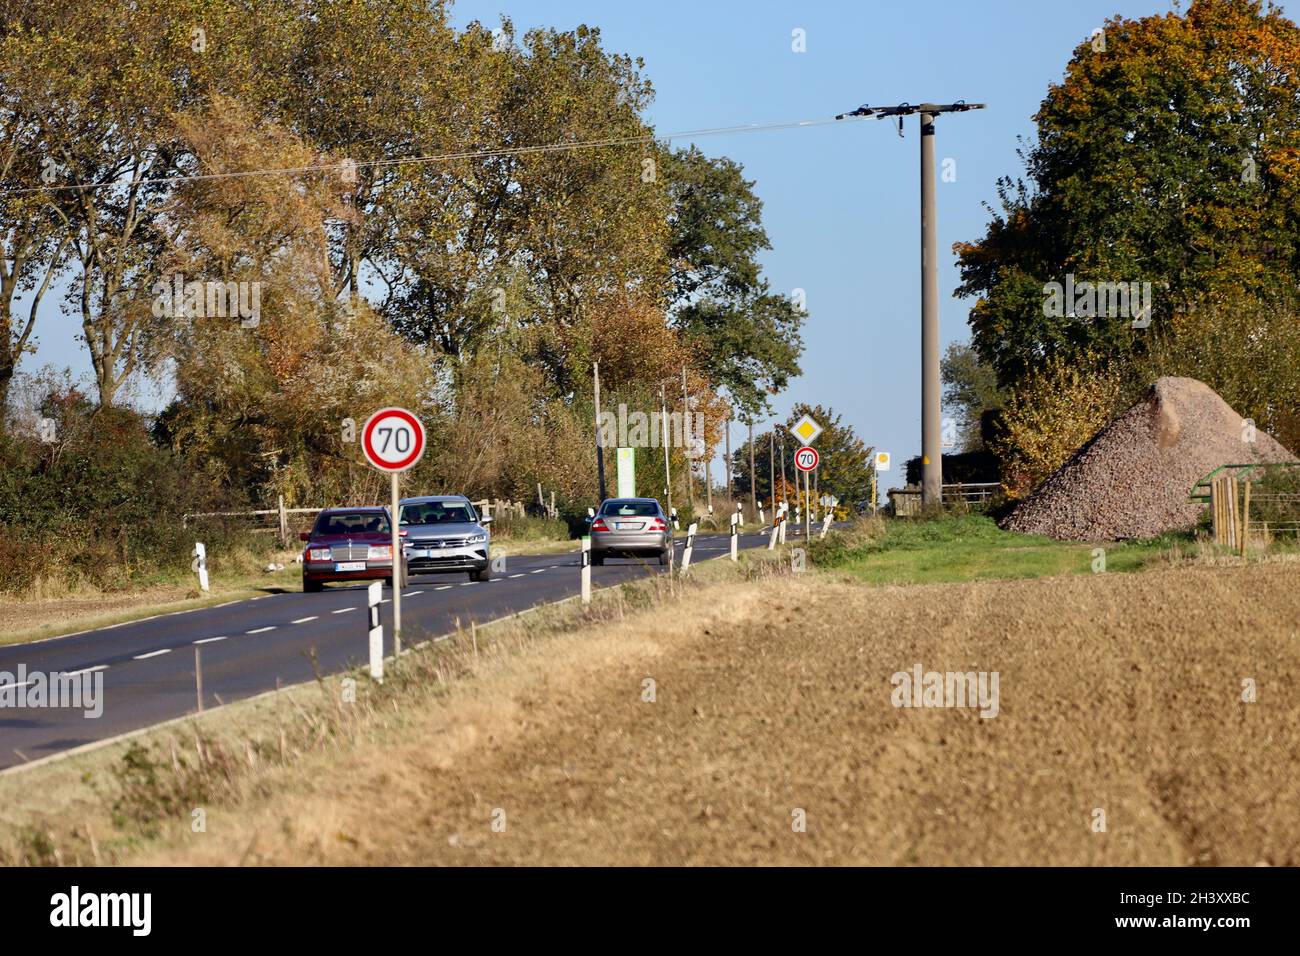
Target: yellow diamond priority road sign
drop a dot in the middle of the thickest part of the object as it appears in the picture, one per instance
(807, 429)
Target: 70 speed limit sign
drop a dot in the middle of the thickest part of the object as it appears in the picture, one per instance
(805, 459)
(392, 439)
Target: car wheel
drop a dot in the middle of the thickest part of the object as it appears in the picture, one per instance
(663, 556)
(312, 587)
(597, 559)
(483, 575)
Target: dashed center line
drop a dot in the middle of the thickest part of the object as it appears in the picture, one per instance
(519, 575)
(304, 620)
(260, 630)
(538, 571)
(342, 609)
(89, 670)
(445, 587)
(140, 657)
(409, 593)
(210, 640)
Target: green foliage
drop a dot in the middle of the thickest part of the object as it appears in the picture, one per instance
(845, 465)
(1170, 156)
(970, 392)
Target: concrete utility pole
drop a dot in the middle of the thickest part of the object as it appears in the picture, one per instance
(686, 420)
(668, 477)
(728, 460)
(600, 441)
(931, 441)
(753, 492)
(771, 467)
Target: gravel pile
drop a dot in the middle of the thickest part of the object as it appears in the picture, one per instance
(1133, 478)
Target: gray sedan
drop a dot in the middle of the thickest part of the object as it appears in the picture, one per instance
(630, 527)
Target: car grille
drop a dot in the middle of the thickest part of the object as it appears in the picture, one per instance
(346, 552)
(439, 542)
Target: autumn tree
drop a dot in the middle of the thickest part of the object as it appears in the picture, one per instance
(1169, 153)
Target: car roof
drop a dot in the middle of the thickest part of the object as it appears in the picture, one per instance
(427, 499)
(345, 509)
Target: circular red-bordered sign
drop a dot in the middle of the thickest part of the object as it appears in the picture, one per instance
(392, 439)
(806, 458)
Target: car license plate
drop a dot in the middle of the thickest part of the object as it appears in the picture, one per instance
(627, 525)
(350, 566)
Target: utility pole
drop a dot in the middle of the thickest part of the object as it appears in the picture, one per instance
(728, 461)
(686, 425)
(783, 495)
(663, 421)
(931, 441)
(771, 467)
(753, 485)
(600, 441)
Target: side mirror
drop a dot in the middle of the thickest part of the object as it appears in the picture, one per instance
(591, 513)
(484, 522)
(304, 535)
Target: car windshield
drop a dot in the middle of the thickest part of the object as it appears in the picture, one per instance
(438, 512)
(352, 522)
(639, 509)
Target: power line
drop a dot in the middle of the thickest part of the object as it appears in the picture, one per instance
(438, 158)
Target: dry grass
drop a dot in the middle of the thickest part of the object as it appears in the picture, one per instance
(1118, 692)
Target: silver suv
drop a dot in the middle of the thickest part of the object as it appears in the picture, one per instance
(444, 533)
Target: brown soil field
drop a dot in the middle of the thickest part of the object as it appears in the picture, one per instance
(1117, 692)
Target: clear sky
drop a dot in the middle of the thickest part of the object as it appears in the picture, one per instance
(841, 203)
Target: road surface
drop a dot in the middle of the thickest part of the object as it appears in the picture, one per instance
(252, 646)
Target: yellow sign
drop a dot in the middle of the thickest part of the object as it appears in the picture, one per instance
(806, 429)
(882, 461)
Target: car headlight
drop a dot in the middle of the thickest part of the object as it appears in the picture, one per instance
(380, 552)
(318, 554)
(476, 539)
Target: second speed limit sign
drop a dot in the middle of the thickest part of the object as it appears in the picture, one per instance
(392, 439)
(805, 459)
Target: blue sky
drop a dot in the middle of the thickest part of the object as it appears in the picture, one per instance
(840, 202)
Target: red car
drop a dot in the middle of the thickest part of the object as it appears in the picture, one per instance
(349, 544)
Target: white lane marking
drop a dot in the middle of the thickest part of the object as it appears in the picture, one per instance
(409, 593)
(210, 640)
(140, 657)
(342, 609)
(227, 604)
(89, 670)
(538, 571)
(304, 620)
(23, 684)
(519, 575)
(445, 587)
(260, 630)
(468, 583)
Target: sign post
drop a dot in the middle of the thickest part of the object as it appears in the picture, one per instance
(735, 522)
(393, 441)
(805, 459)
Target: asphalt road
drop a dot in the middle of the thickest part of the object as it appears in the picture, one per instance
(252, 646)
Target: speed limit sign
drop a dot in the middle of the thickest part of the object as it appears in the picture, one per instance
(805, 459)
(392, 439)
